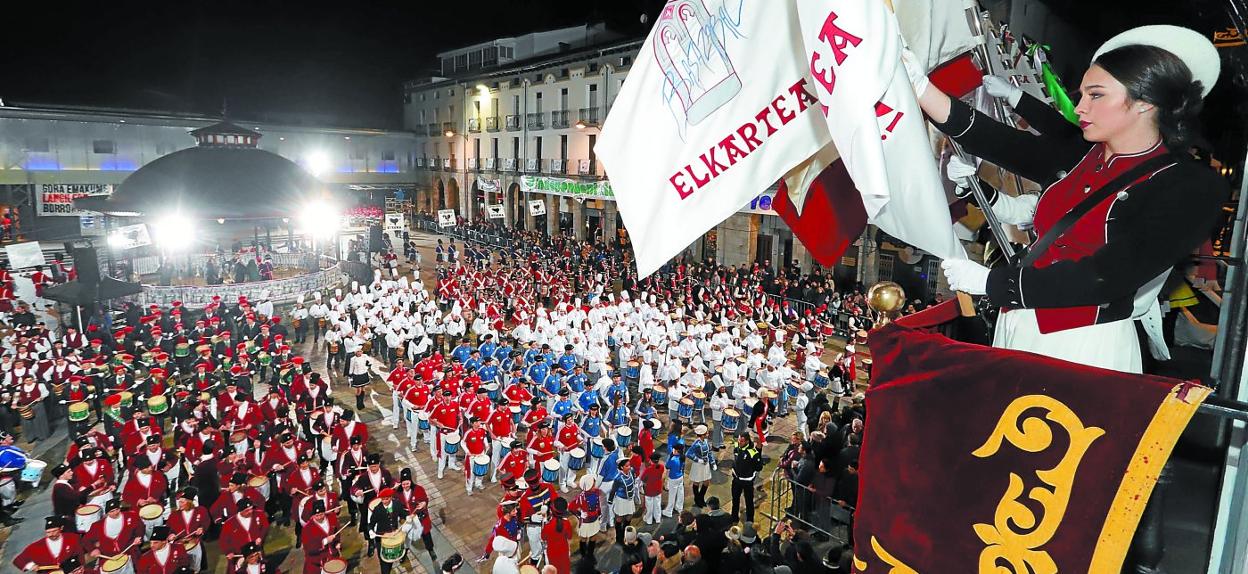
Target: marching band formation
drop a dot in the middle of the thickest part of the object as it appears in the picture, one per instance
(192, 426)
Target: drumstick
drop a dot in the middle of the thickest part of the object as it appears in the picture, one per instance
(122, 553)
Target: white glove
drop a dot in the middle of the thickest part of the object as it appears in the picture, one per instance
(915, 71)
(1002, 88)
(958, 171)
(965, 276)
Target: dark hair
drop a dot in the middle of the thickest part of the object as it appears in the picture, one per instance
(1160, 78)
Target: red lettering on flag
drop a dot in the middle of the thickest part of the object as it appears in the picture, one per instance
(881, 110)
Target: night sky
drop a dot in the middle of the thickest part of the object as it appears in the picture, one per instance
(340, 63)
(344, 63)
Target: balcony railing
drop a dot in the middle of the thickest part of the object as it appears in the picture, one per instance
(420, 161)
(472, 164)
(448, 127)
(474, 125)
(448, 163)
(513, 123)
(537, 121)
(509, 164)
(532, 165)
(558, 166)
(559, 119)
(587, 117)
(585, 167)
(435, 163)
(490, 163)
(432, 130)
(491, 124)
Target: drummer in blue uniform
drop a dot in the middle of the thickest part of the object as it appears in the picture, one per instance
(473, 362)
(592, 425)
(617, 390)
(532, 353)
(551, 383)
(564, 406)
(462, 351)
(586, 400)
(567, 360)
(548, 354)
(488, 371)
(537, 371)
(645, 408)
(488, 346)
(502, 352)
(576, 381)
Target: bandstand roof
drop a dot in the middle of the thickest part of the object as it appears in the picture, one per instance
(213, 180)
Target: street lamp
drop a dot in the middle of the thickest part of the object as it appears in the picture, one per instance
(580, 124)
(449, 133)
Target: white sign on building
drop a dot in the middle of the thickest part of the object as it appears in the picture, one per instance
(537, 207)
(496, 211)
(394, 221)
(22, 255)
(129, 236)
(57, 199)
(446, 218)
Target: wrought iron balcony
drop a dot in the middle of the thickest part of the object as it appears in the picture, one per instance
(491, 124)
(490, 163)
(448, 127)
(433, 130)
(448, 164)
(559, 119)
(513, 123)
(532, 165)
(474, 125)
(472, 164)
(587, 117)
(586, 167)
(558, 166)
(435, 163)
(509, 164)
(537, 121)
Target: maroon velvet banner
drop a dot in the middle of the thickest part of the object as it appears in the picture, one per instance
(979, 459)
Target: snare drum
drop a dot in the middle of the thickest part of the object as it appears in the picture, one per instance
(550, 470)
(685, 411)
(576, 459)
(117, 565)
(261, 484)
(633, 370)
(238, 441)
(492, 389)
(480, 465)
(596, 448)
(79, 412)
(422, 420)
(623, 436)
(392, 547)
(747, 410)
(33, 472)
(821, 380)
(334, 566)
(731, 418)
(450, 442)
(659, 393)
(515, 413)
(157, 405)
(87, 515)
(699, 401)
(793, 389)
(327, 449)
(153, 515)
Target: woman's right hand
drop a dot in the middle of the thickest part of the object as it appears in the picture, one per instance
(1002, 88)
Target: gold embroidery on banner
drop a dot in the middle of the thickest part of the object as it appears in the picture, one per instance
(1016, 535)
(898, 567)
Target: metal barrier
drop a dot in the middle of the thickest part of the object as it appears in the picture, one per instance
(790, 500)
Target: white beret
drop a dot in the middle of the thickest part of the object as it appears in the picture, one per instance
(1196, 51)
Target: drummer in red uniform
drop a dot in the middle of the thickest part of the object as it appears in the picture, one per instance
(319, 538)
(445, 419)
(500, 425)
(415, 501)
(188, 522)
(568, 438)
(144, 486)
(49, 552)
(119, 532)
(476, 442)
(245, 527)
(163, 557)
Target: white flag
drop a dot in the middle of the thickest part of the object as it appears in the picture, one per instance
(717, 108)
(854, 54)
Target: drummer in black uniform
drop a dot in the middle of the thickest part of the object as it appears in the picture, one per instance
(385, 518)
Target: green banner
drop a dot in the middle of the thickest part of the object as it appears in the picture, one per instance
(568, 187)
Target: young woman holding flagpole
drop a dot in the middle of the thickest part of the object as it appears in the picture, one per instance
(1123, 201)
